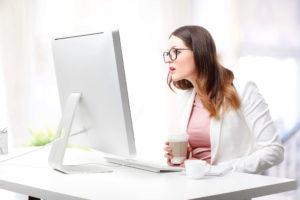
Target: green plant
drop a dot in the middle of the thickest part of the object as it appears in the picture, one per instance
(41, 137)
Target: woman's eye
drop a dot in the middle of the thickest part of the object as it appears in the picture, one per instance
(173, 52)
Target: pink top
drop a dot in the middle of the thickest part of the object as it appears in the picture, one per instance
(198, 131)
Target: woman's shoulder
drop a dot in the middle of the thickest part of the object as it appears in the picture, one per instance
(247, 90)
(244, 87)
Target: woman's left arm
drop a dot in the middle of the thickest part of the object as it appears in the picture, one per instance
(268, 149)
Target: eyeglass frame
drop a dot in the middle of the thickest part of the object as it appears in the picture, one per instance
(167, 53)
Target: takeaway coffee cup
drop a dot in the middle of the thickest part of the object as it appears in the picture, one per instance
(196, 169)
(179, 145)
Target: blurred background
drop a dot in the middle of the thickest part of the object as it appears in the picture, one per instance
(257, 39)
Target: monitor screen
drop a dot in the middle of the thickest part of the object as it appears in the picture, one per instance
(92, 65)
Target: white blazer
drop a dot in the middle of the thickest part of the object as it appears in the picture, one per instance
(245, 139)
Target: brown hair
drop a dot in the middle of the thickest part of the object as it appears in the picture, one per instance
(214, 84)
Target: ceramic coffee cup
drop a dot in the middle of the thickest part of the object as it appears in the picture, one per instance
(196, 169)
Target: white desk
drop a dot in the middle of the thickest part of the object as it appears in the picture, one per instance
(30, 175)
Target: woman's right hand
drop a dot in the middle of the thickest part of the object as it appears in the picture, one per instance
(168, 155)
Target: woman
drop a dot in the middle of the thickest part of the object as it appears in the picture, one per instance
(228, 124)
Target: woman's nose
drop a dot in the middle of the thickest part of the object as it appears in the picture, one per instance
(168, 60)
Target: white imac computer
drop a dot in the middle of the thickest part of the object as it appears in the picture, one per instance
(93, 96)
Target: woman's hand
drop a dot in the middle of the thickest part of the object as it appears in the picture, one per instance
(168, 155)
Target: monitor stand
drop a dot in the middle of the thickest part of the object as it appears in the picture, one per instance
(59, 146)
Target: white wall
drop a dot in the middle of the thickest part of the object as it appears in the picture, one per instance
(32, 98)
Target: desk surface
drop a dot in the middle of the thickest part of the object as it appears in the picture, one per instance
(31, 175)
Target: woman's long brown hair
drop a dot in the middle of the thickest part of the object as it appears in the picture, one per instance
(214, 84)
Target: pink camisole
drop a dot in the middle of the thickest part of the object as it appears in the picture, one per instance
(198, 131)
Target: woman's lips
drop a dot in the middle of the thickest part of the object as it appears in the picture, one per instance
(172, 68)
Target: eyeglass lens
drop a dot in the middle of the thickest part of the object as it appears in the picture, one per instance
(172, 55)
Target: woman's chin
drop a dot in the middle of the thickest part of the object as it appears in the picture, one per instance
(176, 78)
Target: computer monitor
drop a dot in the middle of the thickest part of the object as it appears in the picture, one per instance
(93, 95)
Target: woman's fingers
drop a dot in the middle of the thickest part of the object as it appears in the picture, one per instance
(168, 156)
(168, 149)
(169, 163)
(189, 150)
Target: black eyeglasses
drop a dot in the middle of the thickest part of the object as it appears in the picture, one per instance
(172, 53)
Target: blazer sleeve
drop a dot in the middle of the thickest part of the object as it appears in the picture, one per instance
(268, 150)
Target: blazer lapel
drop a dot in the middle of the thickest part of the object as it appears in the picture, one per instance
(187, 110)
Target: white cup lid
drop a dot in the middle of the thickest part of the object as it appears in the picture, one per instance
(178, 137)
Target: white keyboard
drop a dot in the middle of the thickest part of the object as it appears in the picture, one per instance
(153, 167)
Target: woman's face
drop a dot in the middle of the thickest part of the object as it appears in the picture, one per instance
(184, 66)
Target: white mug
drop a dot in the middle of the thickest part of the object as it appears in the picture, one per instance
(196, 169)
